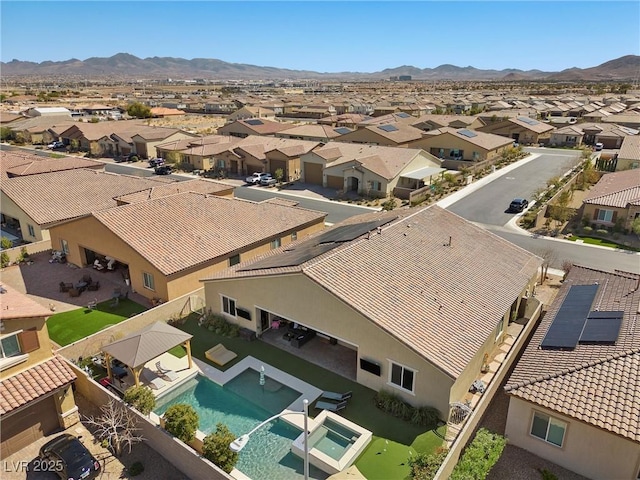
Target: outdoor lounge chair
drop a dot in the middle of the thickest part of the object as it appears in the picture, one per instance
(166, 373)
(336, 397)
(220, 355)
(332, 407)
(154, 381)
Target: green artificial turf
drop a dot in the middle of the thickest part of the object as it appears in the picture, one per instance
(178, 351)
(401, 436)
(601, 242)
(68, 327)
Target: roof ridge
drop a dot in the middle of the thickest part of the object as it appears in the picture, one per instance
(575, 368)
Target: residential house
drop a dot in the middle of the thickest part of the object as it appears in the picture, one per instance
(313, 133)
(614, 201)
(463, 147)
(251, 111)
(434, 122)
(525, 130)
(629, 154)
(391, 118)
(609, 134)
(168, 243)
(574, 395)
(390, 135)
(252, 126)
(48, 112)
(198, 185)
(36, 130)
(37, 394)
(222, 106)
(265, 154)
(382, 285)
(162, 112)
(95, 138)
(313, 111)
(368, 169)
(202, 152)
(146, 139)
(34, 203)
(567, 136)
(349, 120)
(631, 120)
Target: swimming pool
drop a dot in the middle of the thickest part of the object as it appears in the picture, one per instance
(333, 439)
(241, 404)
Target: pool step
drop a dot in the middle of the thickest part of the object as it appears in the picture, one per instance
(297, 420)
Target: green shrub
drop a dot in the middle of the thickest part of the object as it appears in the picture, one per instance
(185, 167)
(141, 398)
(394, 404)
(479, 457)
(547, 475)
(425, 465)
(182, 421)
(5, 261)
(136, 469)
(602, 231)
(426, 416)
(587, 229)
(5, 243)
(389, 204)
(216, 448)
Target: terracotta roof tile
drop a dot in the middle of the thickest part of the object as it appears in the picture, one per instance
(17, 305)
(197, 186)
(618, 189)
(33, 383)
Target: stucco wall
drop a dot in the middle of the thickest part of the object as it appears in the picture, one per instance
(9, 208)
(586, 450)
(44, 352)
(298, 299)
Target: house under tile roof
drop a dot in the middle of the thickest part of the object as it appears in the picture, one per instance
(406, 280)
(597, 383)
(487, 141)
(630, 148)
(617, 189)
(49, 198)
(46, 165)
(201, 227)
(199, 185)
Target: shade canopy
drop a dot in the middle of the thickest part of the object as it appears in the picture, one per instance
(138, 348)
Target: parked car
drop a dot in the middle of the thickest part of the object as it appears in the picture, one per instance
(69, 458)
(156, 162)
(599, 146)
(256, 177)
(55, 145)
(268, 181)
(518, 205)
(163, 170)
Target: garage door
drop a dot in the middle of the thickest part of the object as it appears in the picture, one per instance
(276, 164)
(335, 182)
(313, 173)
(30, 424)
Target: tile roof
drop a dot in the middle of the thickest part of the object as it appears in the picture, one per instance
(52, 197)
(598, 384)
(265, 128)
(95, 131)
(310, 130)
(199, 185)
(204, 227)
(31, 384)
(487, 141)
(617, 189)
(259, 146)
(403, 133)
(630, 148)
(423, 280)
(47, 165)
(539, 127)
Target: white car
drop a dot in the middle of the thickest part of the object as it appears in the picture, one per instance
(256, 178)
(268, 181)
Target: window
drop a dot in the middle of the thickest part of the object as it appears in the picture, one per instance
(500, 328)
(234, 260)
(9, 346)
(32, 231)
(229, 306)
(402, 377)
(147, 280)
(605, 215)
(65, 246)
(275, 243)
(294, 236)
(375, 186)
(548, 428)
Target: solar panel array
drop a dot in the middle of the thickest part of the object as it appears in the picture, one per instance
(528, 121)
(388, 128)
(316, 246)
(403, 115)
(602, 328)
(254, 121)
(342, 130)
(566, 328)
(467, 133)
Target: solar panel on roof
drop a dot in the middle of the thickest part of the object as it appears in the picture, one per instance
(467, 133)
(342, 130)
(403, 115)
(566, 328)
(528, 121)
(346, 233)
(254, 121)
(602, 328)
(388, 128)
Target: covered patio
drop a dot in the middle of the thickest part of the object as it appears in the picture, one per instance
(142, 352)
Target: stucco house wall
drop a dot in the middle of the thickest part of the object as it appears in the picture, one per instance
(586, 450)
(9, 208)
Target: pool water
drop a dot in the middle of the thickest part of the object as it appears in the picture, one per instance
(241, 404)
(333, 439)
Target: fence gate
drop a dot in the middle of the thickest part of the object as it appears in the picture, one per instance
(458, 414)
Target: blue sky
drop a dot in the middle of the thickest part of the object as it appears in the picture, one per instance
(328, 36)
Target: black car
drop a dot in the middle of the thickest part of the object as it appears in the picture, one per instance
(156, 162)
(518, 205)
(163, 170)
(69, 458)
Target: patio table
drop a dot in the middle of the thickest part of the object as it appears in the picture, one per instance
(81, 285)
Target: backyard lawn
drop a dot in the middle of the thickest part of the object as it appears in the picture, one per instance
(68, 327)
(387, 455)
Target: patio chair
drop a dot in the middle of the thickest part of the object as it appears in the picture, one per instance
(64, 287)
(154, 381)
(87, 279)
(220, 355)
(166, 372)
(336, 397)
(94, 286)
(93, 304)
(332, 407)
(74, 292)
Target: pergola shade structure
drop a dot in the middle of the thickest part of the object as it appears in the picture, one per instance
(138, 348)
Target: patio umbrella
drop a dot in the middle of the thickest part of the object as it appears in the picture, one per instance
(262, 380)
